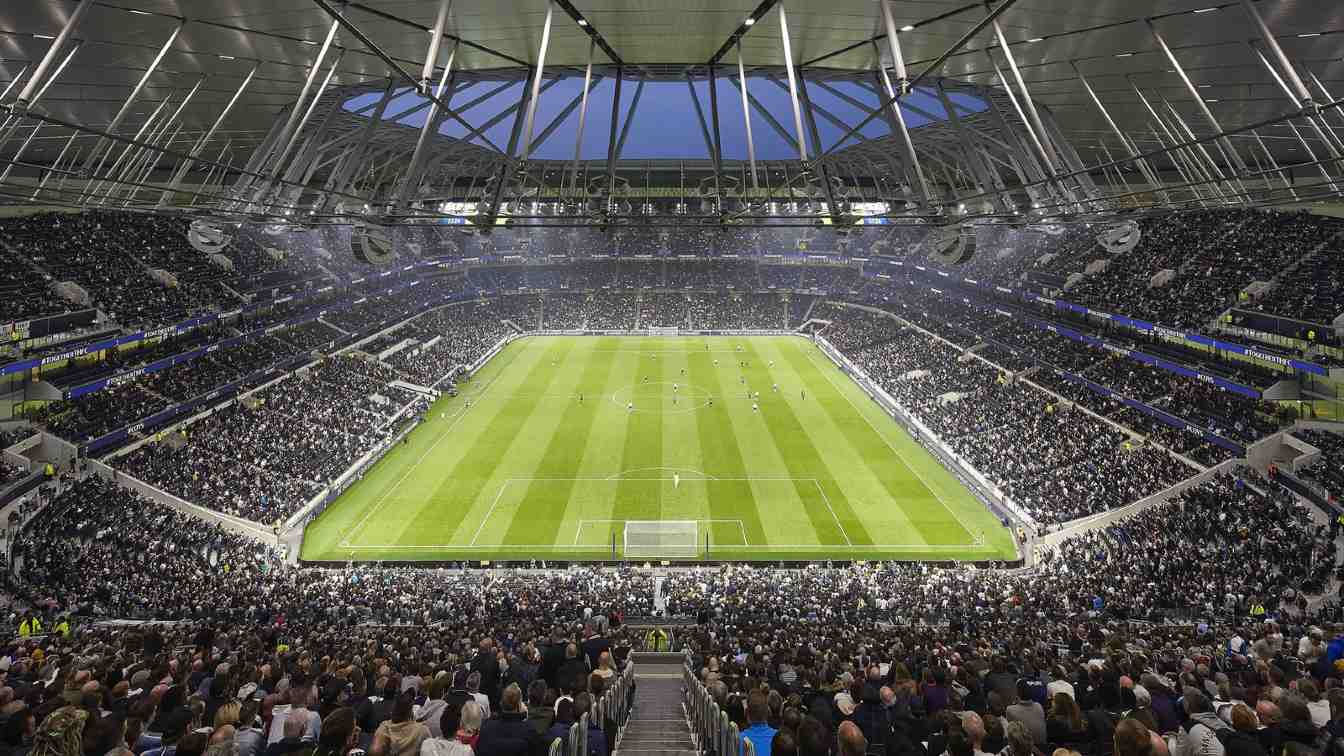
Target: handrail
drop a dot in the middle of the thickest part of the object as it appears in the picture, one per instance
(710, 726)
(614, 705)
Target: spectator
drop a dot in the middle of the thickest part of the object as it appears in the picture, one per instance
(759, 732)
(510, 734)
(401, 735)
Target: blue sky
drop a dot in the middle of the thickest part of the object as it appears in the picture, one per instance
(665, 124)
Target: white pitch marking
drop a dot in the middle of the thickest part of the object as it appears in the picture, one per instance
(912, 468)
(444, 434)
(827, 499)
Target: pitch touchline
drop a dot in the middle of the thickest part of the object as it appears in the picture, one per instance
(827, 499)
(444, 434)
(767, 546)
(912, 468)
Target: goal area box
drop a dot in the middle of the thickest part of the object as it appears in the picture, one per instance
(661, 539)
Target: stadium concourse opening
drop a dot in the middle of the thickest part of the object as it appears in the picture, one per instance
(747, 447)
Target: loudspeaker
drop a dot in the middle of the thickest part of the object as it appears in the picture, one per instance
(371, 244)
(1119, 238)
(951, 245)
(206, 237)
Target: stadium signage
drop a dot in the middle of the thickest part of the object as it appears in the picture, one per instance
(1164, 417)
(125, 378)
(1160, 330)
(71, 354)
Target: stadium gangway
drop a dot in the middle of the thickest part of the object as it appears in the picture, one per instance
(715, 734)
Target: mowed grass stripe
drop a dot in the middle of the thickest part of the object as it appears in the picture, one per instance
(543, 506)
(682, 453)
(804, 460)
(719, 443)
(779, 513)
(878, 488)
(643, 439)
(399, 486)
(461, 490)
(933, 520)
(727, 440)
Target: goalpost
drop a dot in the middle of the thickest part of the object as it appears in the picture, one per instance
(662, 539)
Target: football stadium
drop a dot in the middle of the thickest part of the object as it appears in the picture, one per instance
(678, 378)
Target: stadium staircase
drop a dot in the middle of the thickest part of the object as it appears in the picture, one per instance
(657, 725)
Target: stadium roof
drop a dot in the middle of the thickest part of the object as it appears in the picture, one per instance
(260, 55)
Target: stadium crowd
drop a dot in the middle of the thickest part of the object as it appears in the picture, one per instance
(1190, 618)
(263, 457)
(1327, 472)
(1056, 463)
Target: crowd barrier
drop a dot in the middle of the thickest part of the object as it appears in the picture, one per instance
(613, 706)
(710, 726)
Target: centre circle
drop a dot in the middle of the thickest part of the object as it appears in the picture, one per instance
(689, 397)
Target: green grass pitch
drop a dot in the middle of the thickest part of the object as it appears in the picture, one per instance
(519, 467)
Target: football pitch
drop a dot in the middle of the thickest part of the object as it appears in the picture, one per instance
(559, 441)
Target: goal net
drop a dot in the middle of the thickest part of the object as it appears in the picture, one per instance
(661, 539)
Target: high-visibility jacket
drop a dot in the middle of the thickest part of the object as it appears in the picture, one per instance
(63, 628)
(657, 639)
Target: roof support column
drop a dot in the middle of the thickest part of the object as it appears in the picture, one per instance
(46, 175)
(1323, 134)
(91, 187)
(1273, 164)
(583, 114)
(972, 153)
(793, 85)
(12, 122)
(22, 149)
(1232, 155)
(431, 125)
(1142, 165)
(283, 138)
(26, 99)
(1180, 155)
(903, 80)
(1042, 156)
(171, 119)
(196, 151)
(746, 116)
(1200, 149)
(611, 138)
(432, 57)
(536, 82)
(1328, 98)
(823, 173)
(130, 101)
(12, 83)
(717, 146)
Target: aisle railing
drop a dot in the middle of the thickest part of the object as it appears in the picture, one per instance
(614, 705)
(710, 726)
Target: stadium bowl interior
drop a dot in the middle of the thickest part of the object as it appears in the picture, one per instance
(571, 378)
